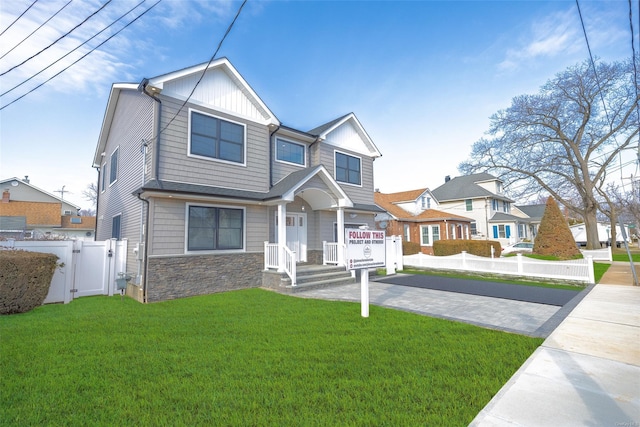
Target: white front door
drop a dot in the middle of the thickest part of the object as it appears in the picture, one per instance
(297, 235)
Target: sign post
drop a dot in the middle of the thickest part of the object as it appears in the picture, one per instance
(365, 249)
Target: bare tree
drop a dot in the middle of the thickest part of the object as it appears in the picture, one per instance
(565, 139)
(91, 193)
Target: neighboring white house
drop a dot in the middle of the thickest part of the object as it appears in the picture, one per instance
(481, 197)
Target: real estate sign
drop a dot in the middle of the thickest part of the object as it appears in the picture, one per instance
(365, 248)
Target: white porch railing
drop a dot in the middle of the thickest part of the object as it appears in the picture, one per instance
(580, 270)
(330, 253)
(272, 259)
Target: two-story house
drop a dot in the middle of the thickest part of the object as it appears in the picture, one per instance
(29, 212)
(210, 189)
(414, 215)
(481, 197)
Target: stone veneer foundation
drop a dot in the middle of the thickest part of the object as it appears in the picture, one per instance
(186, 276)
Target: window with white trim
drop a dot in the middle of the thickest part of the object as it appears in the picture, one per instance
(429, 234)
(468, 204)
(348, 169)
(290, 152)
(214, 138)
(211, 228)
(116, 225)
(113, 167)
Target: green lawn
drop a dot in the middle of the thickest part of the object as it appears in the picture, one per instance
(250, 357)
(623, 256)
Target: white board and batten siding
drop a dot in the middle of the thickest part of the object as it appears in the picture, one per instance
(218, 90)
(177, 165)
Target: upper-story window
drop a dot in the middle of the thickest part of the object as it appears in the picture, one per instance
(290, 152)
(498, 187)
(468, 204)
(426, 202)
(505, 206)
(495, 204)
(215, 138)
(113, 167)
(348, 169)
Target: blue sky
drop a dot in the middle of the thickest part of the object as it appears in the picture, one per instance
(423, 77)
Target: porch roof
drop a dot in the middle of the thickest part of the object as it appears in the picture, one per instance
(284, 190)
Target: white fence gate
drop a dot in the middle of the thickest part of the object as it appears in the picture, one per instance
(88, 268)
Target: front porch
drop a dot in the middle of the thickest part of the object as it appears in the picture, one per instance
(308, 276)
(283, 273)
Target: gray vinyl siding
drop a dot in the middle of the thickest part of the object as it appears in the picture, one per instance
(176, 165)
(168, 218)
(132, 123)
(325, 155)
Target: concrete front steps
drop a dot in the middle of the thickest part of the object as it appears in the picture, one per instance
(308, 277)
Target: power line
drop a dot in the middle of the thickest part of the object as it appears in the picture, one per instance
(83, 56)
(16, 20)
(41, 25)
(205, 68)
(58, 39)
(73, 50)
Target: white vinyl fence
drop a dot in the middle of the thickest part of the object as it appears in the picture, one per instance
(87, 267)
(603, 254)
(580, 270)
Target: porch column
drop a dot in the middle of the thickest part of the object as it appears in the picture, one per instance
(340, 227)
(282, 235)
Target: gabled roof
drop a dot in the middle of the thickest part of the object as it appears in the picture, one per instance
(405, 196)
(466, 187)
(179, 84)
(388, 202)
(7, 183)
(533, 211)
(324, 131)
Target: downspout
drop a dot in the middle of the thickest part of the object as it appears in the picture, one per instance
(271, 149)
(145, 258)
(95, 227)
(145, 226)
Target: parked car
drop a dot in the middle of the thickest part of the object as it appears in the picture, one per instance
(520, 247)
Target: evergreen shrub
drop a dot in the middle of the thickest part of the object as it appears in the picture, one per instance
(25, 278)
(474, 247)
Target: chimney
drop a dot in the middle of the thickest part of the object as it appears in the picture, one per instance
(447, 178)
(6, 196)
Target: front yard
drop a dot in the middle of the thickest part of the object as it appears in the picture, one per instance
(248, 357)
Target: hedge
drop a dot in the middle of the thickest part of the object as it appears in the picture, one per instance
(25, 278)
(410, 248)
(474, 247)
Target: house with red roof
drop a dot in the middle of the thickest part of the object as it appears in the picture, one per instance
(413, 215)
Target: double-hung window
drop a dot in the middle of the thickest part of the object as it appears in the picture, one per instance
(290, 152)
(468, 205)
(429, 234)
(215, 138)
(348, 169)
(214, 228)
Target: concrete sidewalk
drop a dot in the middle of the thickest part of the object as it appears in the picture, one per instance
(587, 372)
